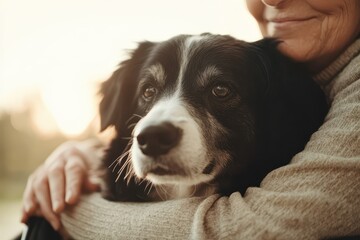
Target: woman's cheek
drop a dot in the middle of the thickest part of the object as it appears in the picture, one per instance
(328, 7)
(256, 8)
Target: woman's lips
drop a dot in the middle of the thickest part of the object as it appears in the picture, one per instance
(288, 22)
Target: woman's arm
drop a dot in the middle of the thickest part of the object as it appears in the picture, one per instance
(316, 196)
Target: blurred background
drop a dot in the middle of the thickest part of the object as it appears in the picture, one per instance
(53, 56)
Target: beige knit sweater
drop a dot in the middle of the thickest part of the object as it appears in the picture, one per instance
(316, 196)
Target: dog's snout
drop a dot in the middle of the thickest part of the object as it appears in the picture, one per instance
(158, 139)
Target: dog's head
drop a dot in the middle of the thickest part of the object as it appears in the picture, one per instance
(192, 101)
(199, 108)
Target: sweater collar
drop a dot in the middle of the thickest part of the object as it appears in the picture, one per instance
(326, 75)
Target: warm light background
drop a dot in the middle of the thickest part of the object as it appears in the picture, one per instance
(54, 54)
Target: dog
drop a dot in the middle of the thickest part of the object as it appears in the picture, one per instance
(202, 114)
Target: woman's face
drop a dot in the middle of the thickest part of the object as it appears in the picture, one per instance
(312, 31)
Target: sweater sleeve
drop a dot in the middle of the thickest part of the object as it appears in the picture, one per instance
(316, 196)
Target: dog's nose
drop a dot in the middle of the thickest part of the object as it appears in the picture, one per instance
(158, 139)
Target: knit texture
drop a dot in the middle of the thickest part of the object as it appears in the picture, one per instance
(316, 196)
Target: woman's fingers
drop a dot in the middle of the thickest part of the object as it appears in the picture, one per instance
(75, 172)
(56, 178)
(91, 185)
(59, 181)
(30, 203)
(42, 194)
(29, 197)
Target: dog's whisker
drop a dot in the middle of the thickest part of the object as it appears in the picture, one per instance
(129, 172)
(121, 170)
(127, 147)
(148, 185)
(137, 180)
(127, 123)
(132, 125)
(119, 159)
(194, 191)
(158, 188)
(126, 152)
(131, 176)
(116, 162)
(144, 180)
(137, 115)
(126, 163)
(126, 138)
(128, 168)
(166, 192)
(132, 117)
(117, 178)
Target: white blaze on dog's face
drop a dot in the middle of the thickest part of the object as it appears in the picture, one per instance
(183, 163)
(187, 152)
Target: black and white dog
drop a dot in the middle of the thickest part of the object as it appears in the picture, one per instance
(197, 115)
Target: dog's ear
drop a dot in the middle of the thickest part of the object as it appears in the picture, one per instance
(119, 90)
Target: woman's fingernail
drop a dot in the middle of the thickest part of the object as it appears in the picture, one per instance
(28, 207)
(23, 219)
(68, 196)
(56, 206)
(55, 225)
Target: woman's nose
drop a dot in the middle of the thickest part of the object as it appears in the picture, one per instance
(273, 3)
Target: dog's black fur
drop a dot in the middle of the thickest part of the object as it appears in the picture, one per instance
(273, 109)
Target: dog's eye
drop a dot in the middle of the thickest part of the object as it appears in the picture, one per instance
(149, 92)
(221, 91)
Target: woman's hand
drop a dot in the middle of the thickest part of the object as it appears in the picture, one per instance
(60, 180)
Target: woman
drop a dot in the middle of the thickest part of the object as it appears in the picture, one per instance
(316, 196)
